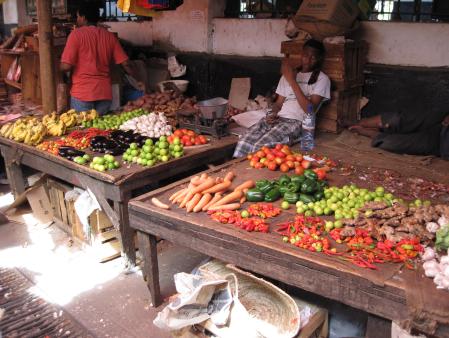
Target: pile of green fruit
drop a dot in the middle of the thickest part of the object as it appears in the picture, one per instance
(103, 163)
(152, 153)
(82, 159)
(113, 121)
(344, 202)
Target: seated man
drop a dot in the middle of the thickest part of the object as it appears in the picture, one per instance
(296, 91)
(413, 134)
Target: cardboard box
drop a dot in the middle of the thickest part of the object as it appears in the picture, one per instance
(37, 197)
(336, 12)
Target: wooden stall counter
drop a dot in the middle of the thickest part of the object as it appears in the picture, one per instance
(113, 189)
(381, 292)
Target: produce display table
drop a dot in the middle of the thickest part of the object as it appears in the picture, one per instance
(384, 292)
(116, 186)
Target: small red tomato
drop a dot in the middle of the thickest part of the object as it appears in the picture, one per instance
(271, 165)
(290, 164)
(284, 167)
(305, 164)
(278, 160)
(299, 170)
(278, 146)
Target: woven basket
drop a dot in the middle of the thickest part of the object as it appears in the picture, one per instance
(275, 310)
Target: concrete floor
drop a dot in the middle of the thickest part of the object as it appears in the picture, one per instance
(104, 298)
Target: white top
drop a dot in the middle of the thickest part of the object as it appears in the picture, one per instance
(291, 108)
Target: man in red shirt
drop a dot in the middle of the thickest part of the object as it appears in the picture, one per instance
(88, 54)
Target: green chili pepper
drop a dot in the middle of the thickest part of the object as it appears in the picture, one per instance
(272, 195)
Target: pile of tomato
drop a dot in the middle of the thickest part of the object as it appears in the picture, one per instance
(187, 137)
(282, 158)
(234, 217)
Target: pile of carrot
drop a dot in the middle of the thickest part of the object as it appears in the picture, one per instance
(206, 193)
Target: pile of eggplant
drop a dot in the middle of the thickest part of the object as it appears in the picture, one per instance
(70, 153)
(116, 143)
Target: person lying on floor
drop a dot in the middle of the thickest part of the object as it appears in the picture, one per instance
(296, 91)
(413, 134)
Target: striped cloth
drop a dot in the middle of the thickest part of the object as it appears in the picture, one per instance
(285, 131)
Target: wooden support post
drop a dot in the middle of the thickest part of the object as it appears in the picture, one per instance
(126, 233)
(13, 171)
(148, 249)
(47, 70)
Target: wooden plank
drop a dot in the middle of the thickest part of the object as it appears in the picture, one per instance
(14, 172)
(148, 249)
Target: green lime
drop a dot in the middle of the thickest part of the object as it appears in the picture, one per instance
(285, 205)
(244, 214)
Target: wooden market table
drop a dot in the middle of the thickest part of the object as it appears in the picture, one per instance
(381, 293)
(114, 186)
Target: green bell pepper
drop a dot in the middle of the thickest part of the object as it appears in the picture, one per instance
(298, 178)
(283, 189)
(264, 186)
(310, 174)
(255, 195)
(309, 186)
(272, 195)
(260, 183)
(291, 197)
(294, 186)
(319, 195)
(284, 180)
(306, 199)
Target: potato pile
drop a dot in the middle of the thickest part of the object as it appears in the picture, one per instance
(168, 102)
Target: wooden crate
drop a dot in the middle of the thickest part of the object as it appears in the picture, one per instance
(56, 191)
(342, 109)
(344, 62)
(102, 237)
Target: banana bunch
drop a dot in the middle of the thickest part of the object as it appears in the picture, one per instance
(6, 130)
(87, 116)
(50, 118)
(56, 128)
(28, 130)
(35, 134)
(69, 118)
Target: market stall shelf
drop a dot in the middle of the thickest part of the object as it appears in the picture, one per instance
(113, 189)
(383, 292)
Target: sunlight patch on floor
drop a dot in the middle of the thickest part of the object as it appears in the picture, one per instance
(60, 270)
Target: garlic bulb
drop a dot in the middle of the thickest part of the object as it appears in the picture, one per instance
(428, 254)
(432, 227)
